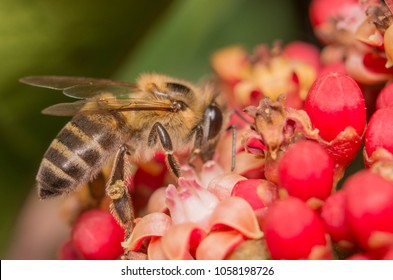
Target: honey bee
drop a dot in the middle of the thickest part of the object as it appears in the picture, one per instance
(120, 119)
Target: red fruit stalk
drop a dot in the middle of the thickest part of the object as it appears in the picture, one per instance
(278, 126)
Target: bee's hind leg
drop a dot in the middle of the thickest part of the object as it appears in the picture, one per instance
(121, 206)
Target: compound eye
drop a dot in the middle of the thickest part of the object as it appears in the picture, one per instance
(214, 119)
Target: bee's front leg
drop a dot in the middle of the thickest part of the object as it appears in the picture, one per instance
(198, 131)
(121, 206)
(158, 131)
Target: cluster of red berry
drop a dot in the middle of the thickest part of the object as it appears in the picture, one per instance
(308, 121)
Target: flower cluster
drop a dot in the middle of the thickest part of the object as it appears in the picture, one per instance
(303, 115)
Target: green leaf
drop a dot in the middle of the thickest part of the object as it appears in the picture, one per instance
(192, 30)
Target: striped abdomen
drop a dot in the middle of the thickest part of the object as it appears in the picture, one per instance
(78, 152)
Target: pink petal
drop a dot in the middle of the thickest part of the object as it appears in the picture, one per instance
(154, 224)
(230, 63)
(157, 201)
(190, 203)
(217, 245)
(210, 170)
(236, 213)
(155, 251)
(357, 70)
(185, 183)
(175, 204)
(222, 185)
(136, 256)
(180, 241)
(188, 172)
(247, 164)
(208, 199)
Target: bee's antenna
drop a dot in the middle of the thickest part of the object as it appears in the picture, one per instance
(241, 116)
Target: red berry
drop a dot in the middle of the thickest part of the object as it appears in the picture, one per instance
(389, 254)
(334, 219)
(376, 63)
(369, 209)
(360, 256)
(303, 51)
(306, 171)
(385, 97)
(334, 67)
(379, 132)
(292, 229)
(96, 235)
(322, 11)
(258, 193)
(335, 102)
(67, 251)
(148, 177)
(151, 175)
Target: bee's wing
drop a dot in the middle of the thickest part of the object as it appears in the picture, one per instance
(81, 87)
(109, 105)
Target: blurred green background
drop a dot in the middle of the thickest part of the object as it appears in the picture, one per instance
(116, 39)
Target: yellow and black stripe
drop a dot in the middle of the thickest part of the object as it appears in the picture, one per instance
(78, 152)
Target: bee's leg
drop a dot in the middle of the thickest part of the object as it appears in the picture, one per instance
(198, 131)
(234, 132)
(121, 206)
(158, 131)
(233, 157)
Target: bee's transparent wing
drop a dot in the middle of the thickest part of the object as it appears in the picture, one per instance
(81, 87)
(64, 109)
(105, 106)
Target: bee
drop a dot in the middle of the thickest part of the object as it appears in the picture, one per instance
(125, 121)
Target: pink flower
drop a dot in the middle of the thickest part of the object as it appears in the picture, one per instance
(199, 225)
